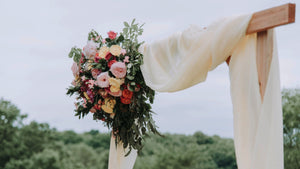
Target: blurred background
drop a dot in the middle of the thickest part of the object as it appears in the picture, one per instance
(36, 37)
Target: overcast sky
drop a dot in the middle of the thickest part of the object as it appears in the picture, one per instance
(36, 36)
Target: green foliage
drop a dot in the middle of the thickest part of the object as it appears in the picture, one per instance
(75, 53)
(181, 151)
(291, 127)
(131, 33)
(10, 120)
(69, 137)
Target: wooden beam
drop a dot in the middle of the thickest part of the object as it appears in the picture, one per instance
(262, 23)
(271, 18)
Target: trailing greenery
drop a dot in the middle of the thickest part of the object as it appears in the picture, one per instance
(129, 114)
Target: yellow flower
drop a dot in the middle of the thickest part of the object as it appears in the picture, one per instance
(114, 88)
(77, 79)
(115, 81)
(115, 84)
(115, 50)
(109, 104)
(103, 51)
(88, 65)
(86, 96)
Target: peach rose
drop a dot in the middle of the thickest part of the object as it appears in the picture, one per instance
(118, 69)
(103, 80)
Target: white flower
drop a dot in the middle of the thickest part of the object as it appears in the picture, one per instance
(90, 49)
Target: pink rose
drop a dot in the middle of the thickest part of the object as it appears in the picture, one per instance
(118, 69)
(112, 34)
(102, 80)
(75, 69)
(90, 49)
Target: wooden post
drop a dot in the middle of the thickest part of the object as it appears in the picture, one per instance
(264, 54)
(262, 23)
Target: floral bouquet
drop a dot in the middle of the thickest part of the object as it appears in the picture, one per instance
(110, 85)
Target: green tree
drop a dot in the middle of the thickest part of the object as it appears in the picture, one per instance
(291, 127)
(69, 137)
(222, 152)
(97, 140)
(10, 120)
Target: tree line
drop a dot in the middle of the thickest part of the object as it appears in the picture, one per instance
(38, 146)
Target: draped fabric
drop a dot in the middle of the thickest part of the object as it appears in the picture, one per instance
(184, 59)
(117, 158)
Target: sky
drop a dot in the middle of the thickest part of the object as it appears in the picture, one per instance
(36, 37)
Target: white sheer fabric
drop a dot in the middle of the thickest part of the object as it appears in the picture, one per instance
(184, 59)
(117, 159)
(257, 126)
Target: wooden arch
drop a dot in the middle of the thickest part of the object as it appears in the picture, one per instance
(262, 23)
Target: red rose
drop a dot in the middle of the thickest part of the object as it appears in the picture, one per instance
(137, 88)
(125, 100)
(109, 56)
(97, 106)
(112, 34)
(127, 93)
(97, 58)
(111, 62)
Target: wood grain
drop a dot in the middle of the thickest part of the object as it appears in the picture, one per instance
(262, 23)
(264, 55)
(271, 18)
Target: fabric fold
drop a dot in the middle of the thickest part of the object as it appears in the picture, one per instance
(117, 158)
(184, 59)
